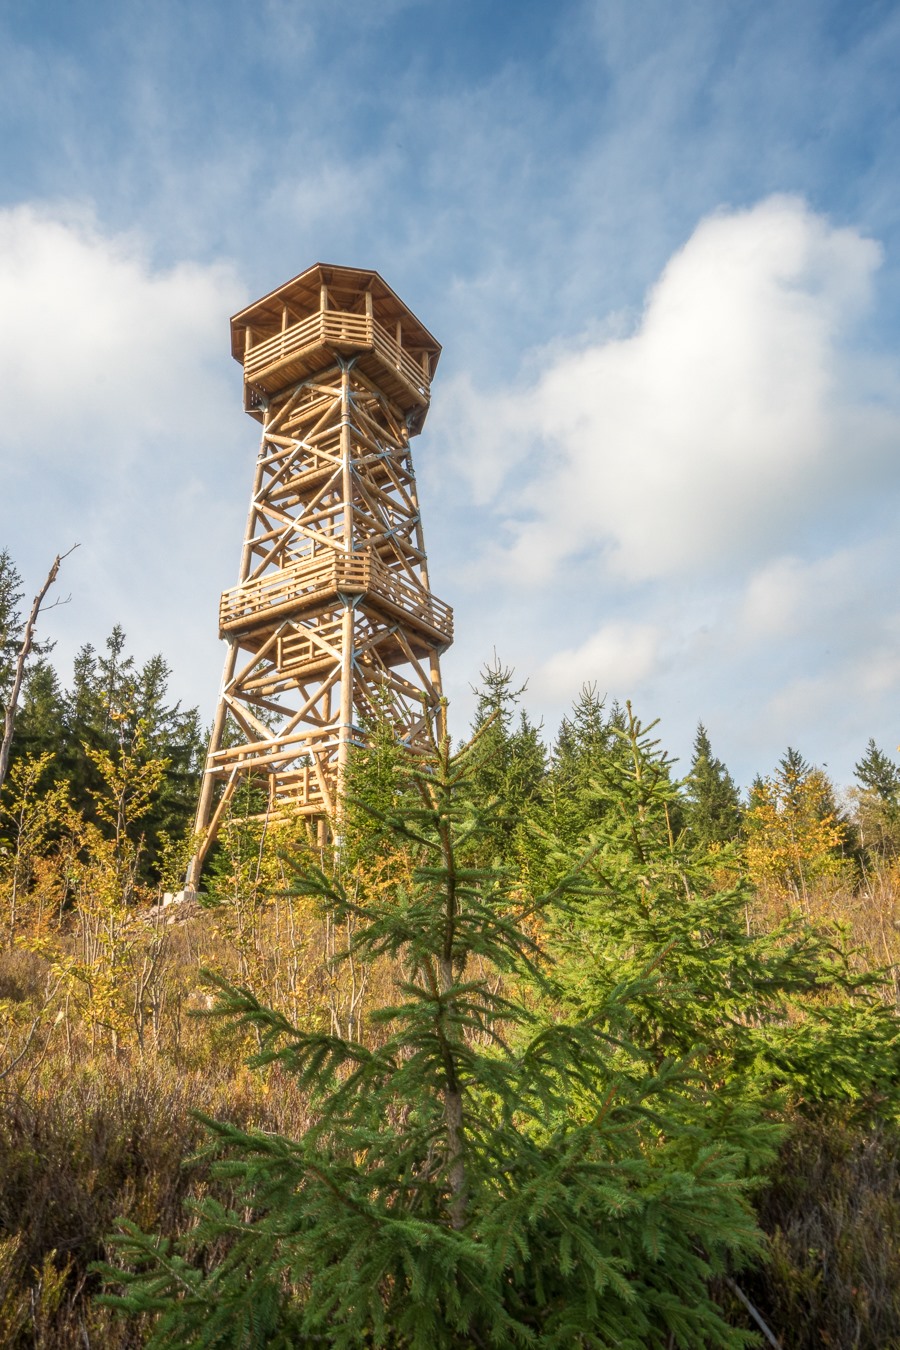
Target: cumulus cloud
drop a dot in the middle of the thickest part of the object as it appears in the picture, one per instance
(790, 597)
(95, 340)
(835, 601)
(721, 427)
(615, 657)
(122, 430)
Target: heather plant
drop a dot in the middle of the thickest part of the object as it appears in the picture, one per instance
(831, 1208)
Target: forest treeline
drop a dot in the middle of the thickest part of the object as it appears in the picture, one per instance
(551, 1047)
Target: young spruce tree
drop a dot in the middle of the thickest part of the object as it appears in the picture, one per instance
(878, 804)
(713, 801)
(477, 1173)
(767, 1014)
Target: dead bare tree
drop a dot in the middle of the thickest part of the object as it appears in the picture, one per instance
(9, 720)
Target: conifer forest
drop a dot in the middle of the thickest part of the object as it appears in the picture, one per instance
(556, 1044)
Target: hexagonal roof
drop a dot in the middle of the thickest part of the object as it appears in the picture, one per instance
(347, 285)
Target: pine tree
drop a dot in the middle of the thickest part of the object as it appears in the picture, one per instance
(877, 772)
(713, 801)
(480, 1174)
(173, 734)
(119, 709)
(373, 782)
(40, 726)
(796, 839)
(793, 767)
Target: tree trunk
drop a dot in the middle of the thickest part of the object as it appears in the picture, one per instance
(9, 720)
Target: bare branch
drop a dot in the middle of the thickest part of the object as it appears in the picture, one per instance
(9, 721)
(56, 604)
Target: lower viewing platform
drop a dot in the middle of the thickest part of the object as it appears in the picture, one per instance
(313, 582)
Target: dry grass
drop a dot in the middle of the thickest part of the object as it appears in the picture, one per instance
(95, 1126)
(99, 1115)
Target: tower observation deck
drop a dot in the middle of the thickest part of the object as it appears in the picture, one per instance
(332, 624)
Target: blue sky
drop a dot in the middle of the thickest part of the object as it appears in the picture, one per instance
(660, 244)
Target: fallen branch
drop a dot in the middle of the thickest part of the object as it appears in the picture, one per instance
(769, 1335)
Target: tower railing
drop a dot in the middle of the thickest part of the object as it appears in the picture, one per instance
(337, 326)
(265, 598)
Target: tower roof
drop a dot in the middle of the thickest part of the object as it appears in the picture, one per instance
(346, 286)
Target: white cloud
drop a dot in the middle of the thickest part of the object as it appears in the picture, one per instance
(789, 597)
(615, 657)
(95, 341)
(718, 431)
(122, 430)
(688, 458)
(835, 602)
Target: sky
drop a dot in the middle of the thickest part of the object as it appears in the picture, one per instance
(660, 244)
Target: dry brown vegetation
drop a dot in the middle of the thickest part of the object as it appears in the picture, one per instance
(106, 1059)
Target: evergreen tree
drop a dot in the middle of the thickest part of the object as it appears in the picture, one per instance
(95, 715)
(586, 739)
(16, 634)
(878, 773)
(666, 924)
(374, 780)
(509, 763)
(796, 839)
(878, 804)
(118, 709)
(793, 767)
(802, 782)
(479, 1176)
(40, 726)
(174, 735)
(713, 802)
(10, 623)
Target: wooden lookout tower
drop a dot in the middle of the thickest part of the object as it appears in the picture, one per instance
(332, 623)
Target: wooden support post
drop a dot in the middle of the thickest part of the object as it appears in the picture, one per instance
(347, 663)
(204, 805)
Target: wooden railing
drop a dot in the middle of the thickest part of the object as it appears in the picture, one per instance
(275, 589)
(388, 347)
(408, 597)
(336, 325)
(288, 341)
(353, 573)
